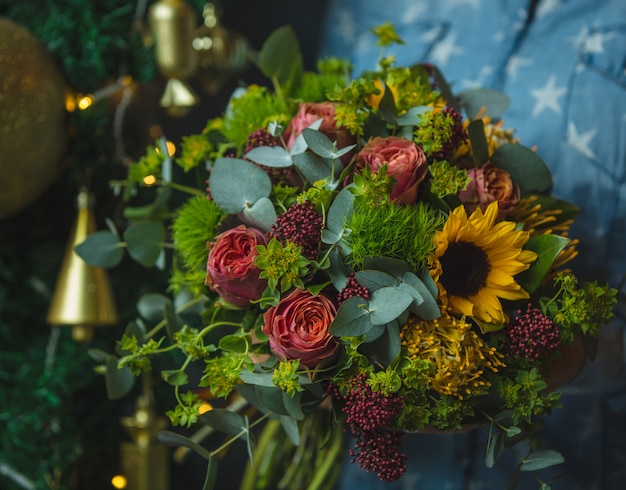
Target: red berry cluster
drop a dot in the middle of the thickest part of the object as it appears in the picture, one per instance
(352, 289)
(531, 335)
(261, 137)
(302, 225)
(369, 415)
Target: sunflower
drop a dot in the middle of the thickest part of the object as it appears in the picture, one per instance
(475, 262)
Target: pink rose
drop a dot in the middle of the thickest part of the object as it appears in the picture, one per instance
(490, 183)
(298, 328)
(406, 164)
(310, 112)
(231, 272)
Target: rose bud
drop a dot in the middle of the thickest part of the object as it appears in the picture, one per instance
(489, 183)
(310, 112)
(406, 164)
(298, 328)
(231, 272)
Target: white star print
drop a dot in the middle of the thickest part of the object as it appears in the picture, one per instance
(581, 141)
(445, 49)
(594, 43)
(414, 12)
(547, 6)
(432, 34)
(515, 63)
(579, 39)
(547, 97)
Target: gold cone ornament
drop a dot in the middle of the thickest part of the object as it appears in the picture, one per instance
(172, 23)
(82, 297)
(144, 461)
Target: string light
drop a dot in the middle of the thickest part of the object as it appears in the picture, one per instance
(119, 482)
(149, 180)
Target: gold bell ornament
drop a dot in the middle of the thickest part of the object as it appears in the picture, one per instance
(82, 297)
(172, 23)
(222, 53)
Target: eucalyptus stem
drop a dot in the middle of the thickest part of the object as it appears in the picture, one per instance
(180, 187)
(180, 309)
(210, 327)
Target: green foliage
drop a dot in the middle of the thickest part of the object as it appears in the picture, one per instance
(447, 179)
(385, 382)
(434, 130)
(195, 150)
(193, 228)
(221, 373)
(283, 266)
(186, 412)
(286, 377)
(393, 230)
(148, 164)
(256, 108)
(526, 396)
(580, 310)
(387, 35)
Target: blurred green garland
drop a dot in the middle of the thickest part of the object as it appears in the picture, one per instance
(56, 429)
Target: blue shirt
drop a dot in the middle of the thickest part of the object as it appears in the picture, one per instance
(564, 68)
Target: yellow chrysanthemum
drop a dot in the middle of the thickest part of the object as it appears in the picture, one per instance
(457, 354)
(475, 262)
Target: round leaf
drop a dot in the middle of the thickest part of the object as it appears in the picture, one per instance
(261, 214)
(150, 306)
(236, 184)
(101, 249)
(526, 168)
(270, 156)
(387, 304)
(352, 318)
(144, 241)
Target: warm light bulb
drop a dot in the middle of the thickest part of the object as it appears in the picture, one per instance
(171, 148)
(149, 180)
(119, 481)
(84, 102)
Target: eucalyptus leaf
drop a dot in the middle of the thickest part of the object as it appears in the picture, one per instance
(411, 117)
(260, 379)
(390, 265)
(101, 249)
(270, 156)
(386, 348)
(338, 214)
(144, 240)
(150, 306)
(118, 381)
(387, 304)
(525, 167)
(352, 318)
(261, 214)
(495, 445)
(291, 428)
(547, 247)
(293, 405)
(312, 167)
(299, 145)
(271, 398)
(280, 58)
(225, 421)
(338, 270)
(387, 106)
(319, 143)
(210, 478)
(475, 100)
(540, 459)
(425, 304)
(375, 333)
(173, 439)
(480, 148)
(172, 324)
(236, 184)
(136, 329)
(375, 279)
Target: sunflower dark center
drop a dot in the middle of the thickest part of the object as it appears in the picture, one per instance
(465, 268)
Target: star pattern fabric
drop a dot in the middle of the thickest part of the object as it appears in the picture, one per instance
(563, 67)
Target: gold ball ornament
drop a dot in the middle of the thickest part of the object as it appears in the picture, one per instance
(33, 126)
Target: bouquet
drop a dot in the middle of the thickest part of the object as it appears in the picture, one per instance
(371, 256)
